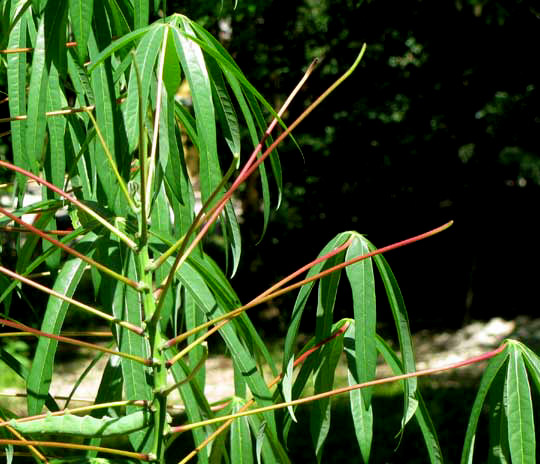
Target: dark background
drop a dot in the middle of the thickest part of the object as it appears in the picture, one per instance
(440, 122)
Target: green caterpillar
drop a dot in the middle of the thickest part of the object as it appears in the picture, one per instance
(86, 426)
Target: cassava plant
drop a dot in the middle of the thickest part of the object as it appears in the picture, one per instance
(95, 121)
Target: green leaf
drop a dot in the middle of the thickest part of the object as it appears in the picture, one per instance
(422, 415)
(362, 283)
(115, 46)
(241, 445)
(126, 306)
(519, 410)
(145, 59)
(229, 332)
(532, 361)
(16, 366)
(324, 380)
(16, 80)
(401, 320)
(120, 13)
(193, 64)
(286, 387)
(233, 230)
(172, 161)
(498, 422)
(225, 109)
(302, 298)
(142, 13)
(37, 103)
(362, 414)
(40, 376)
(80, 12)
(171, 68)
(110, 124)
(227, 299)
(491, 371)
(55, 165)
(55, 16)
(197, 407)
(267, 445)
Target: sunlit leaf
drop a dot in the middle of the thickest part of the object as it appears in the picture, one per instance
(519, 410)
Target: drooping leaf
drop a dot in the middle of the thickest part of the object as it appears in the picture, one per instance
(498, 422)
(362, 281)
(194, 67)
(145, 59)
(362, 414)
(495, 364)
(324, 381)
(422, 415)
(229, 332)
(401, 320)
(302, 298)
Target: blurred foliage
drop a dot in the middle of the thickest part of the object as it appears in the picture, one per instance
(440, 123)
